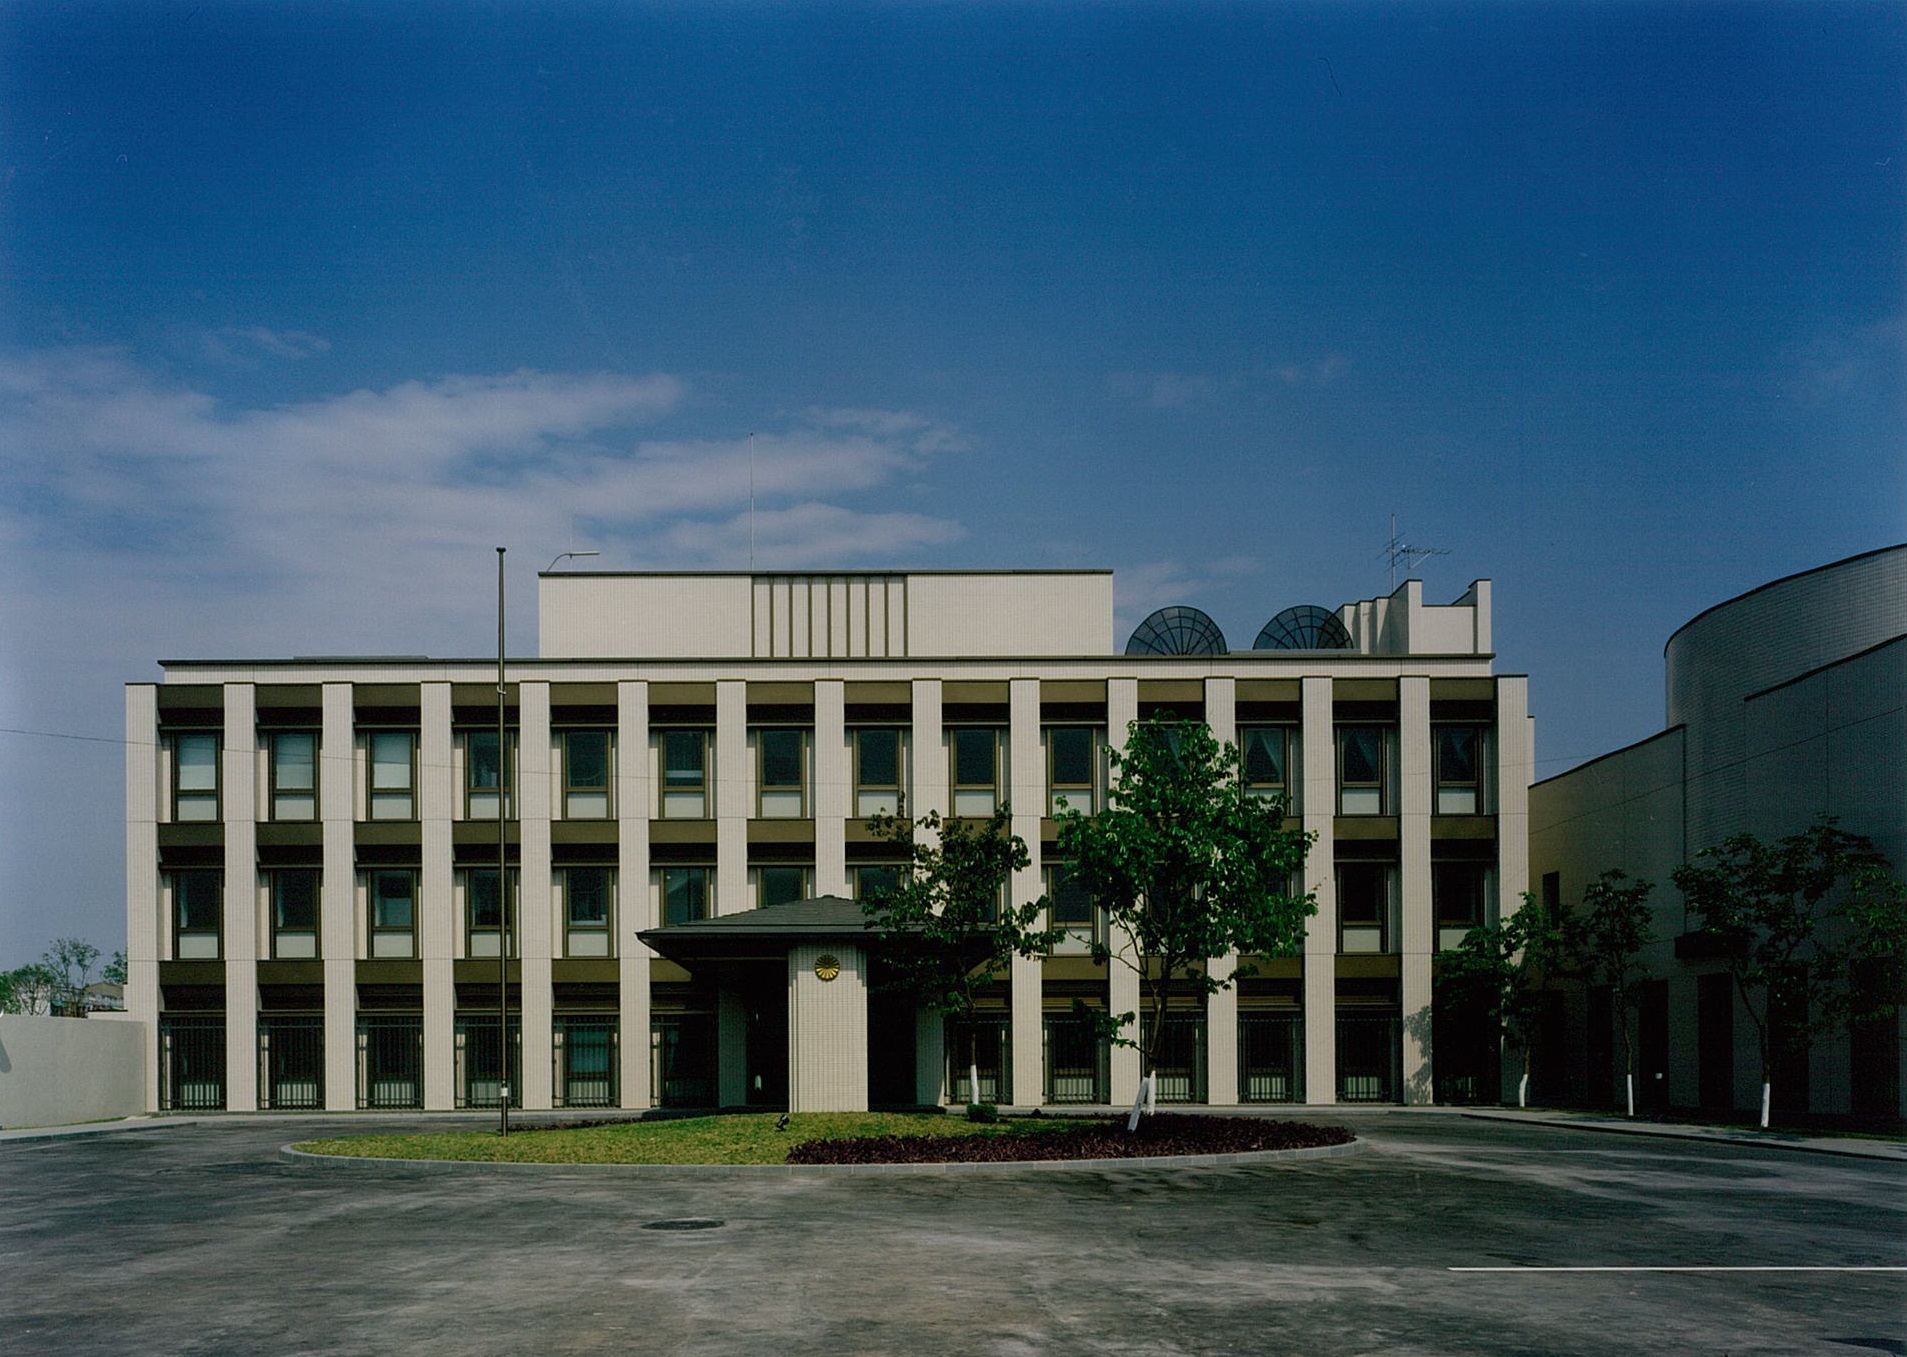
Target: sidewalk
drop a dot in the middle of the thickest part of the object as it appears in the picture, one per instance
(1854, 1147)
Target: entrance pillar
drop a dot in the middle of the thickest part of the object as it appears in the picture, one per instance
(827, 1028)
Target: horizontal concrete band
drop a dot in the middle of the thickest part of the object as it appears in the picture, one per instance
(343, 1161)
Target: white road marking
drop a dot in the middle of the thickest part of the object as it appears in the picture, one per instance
(1689, 1268)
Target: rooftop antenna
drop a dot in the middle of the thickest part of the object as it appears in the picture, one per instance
(1397, 549)
(751, 501)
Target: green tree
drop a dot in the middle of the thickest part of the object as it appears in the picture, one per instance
(1778, 915)
(1188, 867)
(947, 929)
(1608, 936)
(27, 989)
(1502, 970)
(114, 971)
(71, 962)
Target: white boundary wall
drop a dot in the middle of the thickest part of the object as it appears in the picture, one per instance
(58, 1071)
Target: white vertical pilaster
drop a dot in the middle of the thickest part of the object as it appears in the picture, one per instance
(733, 801)
(635, 909)
(1418, 930)
(833, 787)
(341, 923)
(536, 899)
(238, 789)
(1515, 770)
(1321, 937)
(1026, 787)
(1122, 982)
(144, 925)
(927, 762)
(438, 924)
(1221, 1009)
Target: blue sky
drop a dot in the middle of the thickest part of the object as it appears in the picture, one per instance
(304, 308)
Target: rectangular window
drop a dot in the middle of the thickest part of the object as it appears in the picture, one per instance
(294, 913)
(586, 910)
(486, 775)
(585, 774)
(782, 768)
(483, 907)
(685, 894)
(975, 752)
(1460, 894)
(294, 775)
(685, 775)
(877, 772)
(393, 775)
(1070, 906)
(1268, 763)
(1365, 890)
(393, 894)
(1363, 763)
(1460, 762)
(195, 776)
(197, 904)
(874, 879)
(1072, 769)
(780, 884)
(585, 1057)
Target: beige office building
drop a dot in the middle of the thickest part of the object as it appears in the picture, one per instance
(314, 892)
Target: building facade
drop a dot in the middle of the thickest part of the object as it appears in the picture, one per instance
(320, 853)
(1783, 705)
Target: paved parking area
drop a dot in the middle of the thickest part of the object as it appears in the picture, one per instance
(198, 1239)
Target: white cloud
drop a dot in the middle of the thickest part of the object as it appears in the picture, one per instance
(1164, 390)
(245, 345)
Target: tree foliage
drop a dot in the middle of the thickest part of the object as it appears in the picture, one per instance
(55, 984)
(1187, 867)
(1501, 971)
(1789, 919)
(1607, 936)
(947, 928)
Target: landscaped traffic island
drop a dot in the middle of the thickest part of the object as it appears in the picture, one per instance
(844, 1138)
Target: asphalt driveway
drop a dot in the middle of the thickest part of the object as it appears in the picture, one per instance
(1447, 1235)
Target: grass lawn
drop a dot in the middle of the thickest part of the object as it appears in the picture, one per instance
(749, 1138)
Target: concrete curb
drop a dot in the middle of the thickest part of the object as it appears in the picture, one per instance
(1713, 1135)
(436, 1166)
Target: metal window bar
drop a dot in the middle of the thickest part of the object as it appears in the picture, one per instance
(477, 1063)
(1271, 1058)
(191, 1063)
(1181, 1063)
(391, 1062)
(1078, 1061)
(993, 1052)
(290, 1063)
(1370, 1058)
(585, 1062)
(682, 1060)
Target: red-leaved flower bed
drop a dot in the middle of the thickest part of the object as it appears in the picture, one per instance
(1081, 1138)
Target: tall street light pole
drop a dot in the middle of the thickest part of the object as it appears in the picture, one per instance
(503, 882)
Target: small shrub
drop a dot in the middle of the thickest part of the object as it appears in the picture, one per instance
(983, 1112)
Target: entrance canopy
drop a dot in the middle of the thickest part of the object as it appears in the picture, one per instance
(764, 934)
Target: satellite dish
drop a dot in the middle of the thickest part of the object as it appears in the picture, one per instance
(1177, 631)
(1305, 627)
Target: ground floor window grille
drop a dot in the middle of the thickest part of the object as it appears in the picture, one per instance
(1370, 1058)
(992, 1051)
(480, 1071)
(290, 1063)
(682, 1060)
(1181, 1063)
(391, 1061)
(1078, 1060)
(1271, 1057)
(585, 1062)
(1465, 1041)
(191, 1063)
